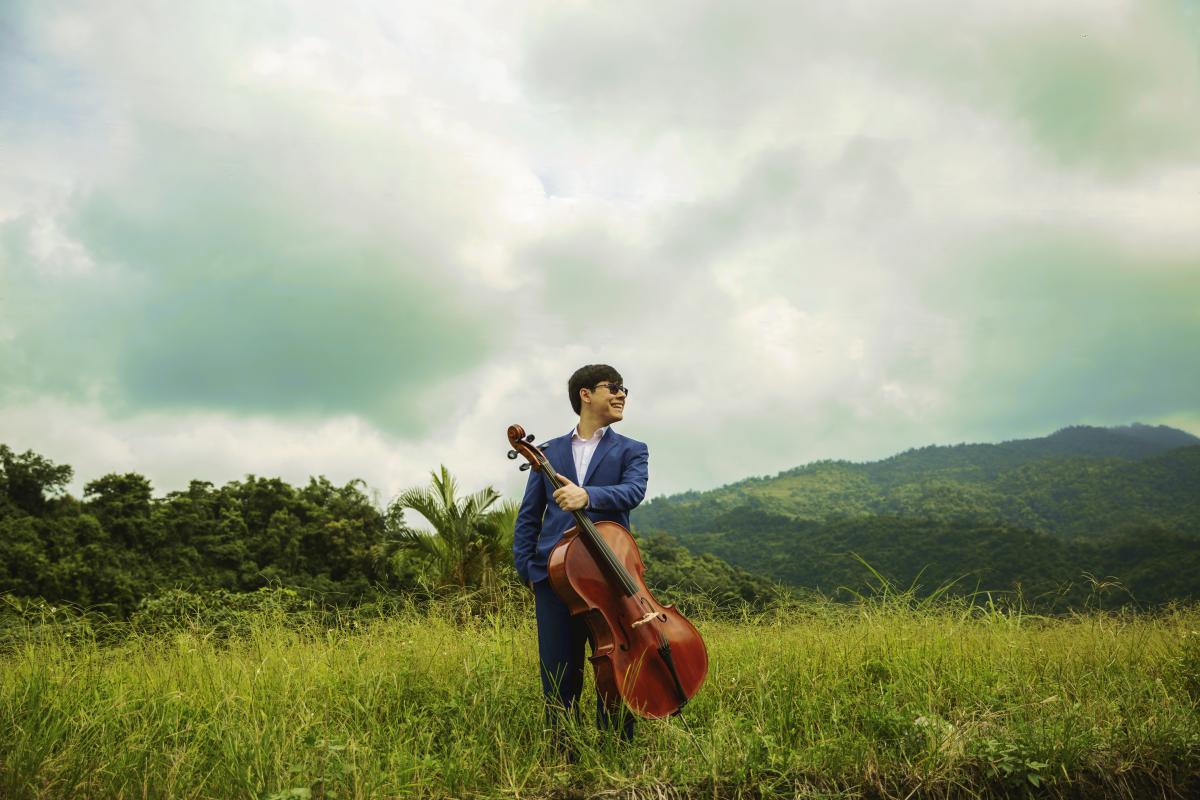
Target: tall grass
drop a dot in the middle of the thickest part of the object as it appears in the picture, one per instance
(883, 698)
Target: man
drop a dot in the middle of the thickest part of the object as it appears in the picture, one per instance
(605, 476)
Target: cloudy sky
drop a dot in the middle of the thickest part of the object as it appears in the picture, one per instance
(360, 239)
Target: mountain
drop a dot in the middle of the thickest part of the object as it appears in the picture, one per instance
(1033, 513)
(1127, 442)
(1079, 481)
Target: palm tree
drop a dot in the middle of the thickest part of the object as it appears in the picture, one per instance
(471, 542)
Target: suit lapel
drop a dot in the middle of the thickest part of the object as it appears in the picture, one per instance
(564, 464)
(606, 443)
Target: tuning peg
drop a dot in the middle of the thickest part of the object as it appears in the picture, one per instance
(525, 466)
(513, 454)
(529, 438)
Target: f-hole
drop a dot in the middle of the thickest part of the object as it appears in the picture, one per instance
(624, 646)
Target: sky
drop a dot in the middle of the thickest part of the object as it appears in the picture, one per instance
(361, 239)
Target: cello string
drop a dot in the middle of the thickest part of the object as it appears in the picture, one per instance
(598, 541)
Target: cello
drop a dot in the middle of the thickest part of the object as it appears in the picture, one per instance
(644, 654)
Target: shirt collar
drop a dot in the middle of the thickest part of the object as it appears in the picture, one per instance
(597, 436)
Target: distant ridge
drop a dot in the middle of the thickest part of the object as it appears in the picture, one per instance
(1131, 441)
(1030, 513)
(1135, 441)
(1074, 482)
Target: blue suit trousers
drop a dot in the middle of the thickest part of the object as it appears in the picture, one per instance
(561, 640)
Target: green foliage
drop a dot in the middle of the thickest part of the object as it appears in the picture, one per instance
(1012, 762)
(1084, 518)
(1152, 566)
(470, 545)
(29, 482)
(123, 552)
(120, 544)
(1080, 482)
(883, 698)
(702, 583)
(1187, 664)
(217, 613)
(1024, 519)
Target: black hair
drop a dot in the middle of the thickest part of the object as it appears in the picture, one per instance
(587, 378)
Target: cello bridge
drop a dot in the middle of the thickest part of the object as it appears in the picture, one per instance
(643, 620)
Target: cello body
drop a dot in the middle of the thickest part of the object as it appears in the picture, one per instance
(628, 632)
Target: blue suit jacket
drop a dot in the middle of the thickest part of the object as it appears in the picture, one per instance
(615, 483)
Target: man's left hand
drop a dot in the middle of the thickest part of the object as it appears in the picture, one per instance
(570, 497)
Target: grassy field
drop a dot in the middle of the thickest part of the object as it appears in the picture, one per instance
(879, 699)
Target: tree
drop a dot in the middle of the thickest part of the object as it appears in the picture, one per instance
(122, 504)
(27, 481)
(23, 559)
(471, 543)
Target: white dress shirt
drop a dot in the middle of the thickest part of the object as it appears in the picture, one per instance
(582, 450)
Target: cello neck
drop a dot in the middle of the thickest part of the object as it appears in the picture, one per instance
(588, 529)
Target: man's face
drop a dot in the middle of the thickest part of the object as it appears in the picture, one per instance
(607, 402)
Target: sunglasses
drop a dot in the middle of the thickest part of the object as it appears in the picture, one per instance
(614, 388)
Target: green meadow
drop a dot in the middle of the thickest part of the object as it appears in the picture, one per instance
(886, 697)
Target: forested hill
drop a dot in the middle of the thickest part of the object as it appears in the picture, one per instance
(1077, 482)
(1035, 514)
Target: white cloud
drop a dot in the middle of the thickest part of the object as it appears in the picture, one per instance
(746, 209)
